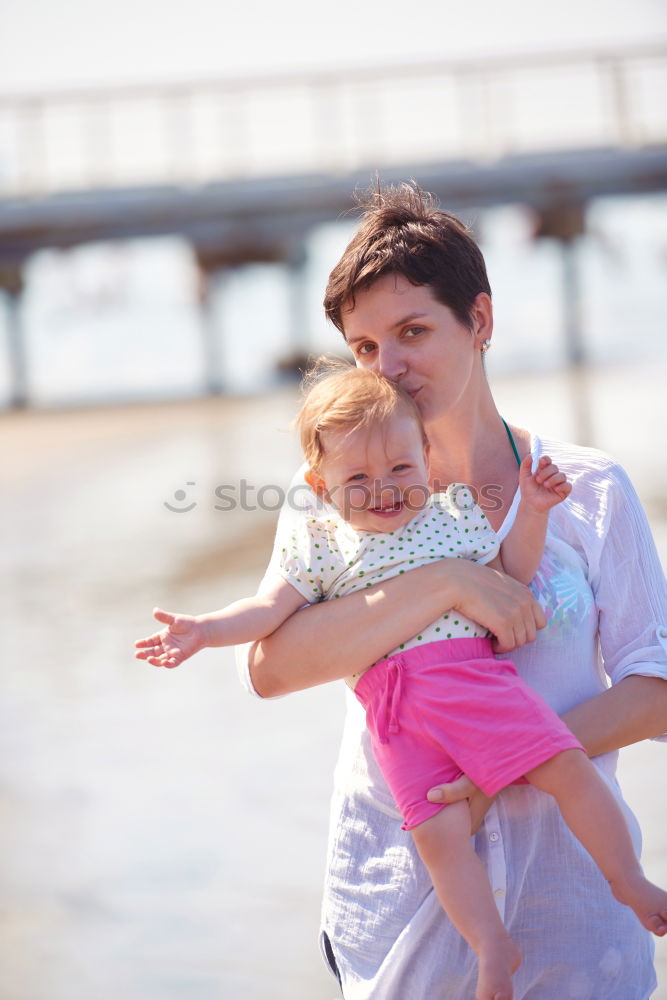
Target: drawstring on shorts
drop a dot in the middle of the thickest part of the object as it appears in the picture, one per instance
(391, 695)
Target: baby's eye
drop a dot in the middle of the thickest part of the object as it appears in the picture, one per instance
(357, 477)
(401, 467)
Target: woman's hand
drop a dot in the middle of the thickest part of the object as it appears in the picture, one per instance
(504, 607)
(329, 640)
(463, 788)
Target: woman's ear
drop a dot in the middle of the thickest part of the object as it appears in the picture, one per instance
(316, 483)
(481, 315)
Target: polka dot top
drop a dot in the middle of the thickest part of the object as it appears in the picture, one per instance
(325, 558)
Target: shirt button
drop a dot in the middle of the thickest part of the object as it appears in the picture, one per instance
(662, 632)
(498, 892)
(493, 837)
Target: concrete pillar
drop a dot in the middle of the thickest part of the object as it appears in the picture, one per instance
(210, 276)
(11, 282)
(571, 297)
(298, 311)
(566, 223)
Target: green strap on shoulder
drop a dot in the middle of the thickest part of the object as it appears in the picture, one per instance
(509, 434)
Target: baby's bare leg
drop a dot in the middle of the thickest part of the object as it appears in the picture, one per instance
(462, 886)
(593, 814)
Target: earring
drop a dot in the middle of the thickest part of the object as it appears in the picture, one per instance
(486, 344)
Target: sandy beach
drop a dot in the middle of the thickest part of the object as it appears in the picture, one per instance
(163, 835)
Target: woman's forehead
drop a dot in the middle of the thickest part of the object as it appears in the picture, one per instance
(390, 301)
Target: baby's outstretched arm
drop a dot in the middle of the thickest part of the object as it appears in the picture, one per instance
(247, 620)
(541, 490)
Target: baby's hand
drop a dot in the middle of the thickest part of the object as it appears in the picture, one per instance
(543, 489)
(182, 637)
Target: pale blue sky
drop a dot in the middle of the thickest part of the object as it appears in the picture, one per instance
(52, 43)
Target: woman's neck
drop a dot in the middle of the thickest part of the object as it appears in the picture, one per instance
(473, 447)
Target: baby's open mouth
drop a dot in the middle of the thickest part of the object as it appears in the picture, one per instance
(388, 509)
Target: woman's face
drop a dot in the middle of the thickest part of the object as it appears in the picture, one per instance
(402, 331)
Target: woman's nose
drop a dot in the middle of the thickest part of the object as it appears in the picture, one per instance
(391, 363)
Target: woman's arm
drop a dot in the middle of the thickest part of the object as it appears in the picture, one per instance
(635, 709)
(631, 598)
(330, 640)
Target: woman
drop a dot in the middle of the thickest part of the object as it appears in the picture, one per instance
(411, 298)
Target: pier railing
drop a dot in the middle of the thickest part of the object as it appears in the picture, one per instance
(201, 132)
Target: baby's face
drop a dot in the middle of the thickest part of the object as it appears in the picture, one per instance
(377, 477)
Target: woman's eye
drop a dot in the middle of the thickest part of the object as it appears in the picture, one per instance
(414, 331)
(365, 348)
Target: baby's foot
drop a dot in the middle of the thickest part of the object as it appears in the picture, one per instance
(496, 967)
(647, 900)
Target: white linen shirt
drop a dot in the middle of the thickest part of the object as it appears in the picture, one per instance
(603, 592)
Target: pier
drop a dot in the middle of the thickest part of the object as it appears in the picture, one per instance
(245, 168)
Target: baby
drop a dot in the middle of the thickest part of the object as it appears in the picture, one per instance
(441, 704)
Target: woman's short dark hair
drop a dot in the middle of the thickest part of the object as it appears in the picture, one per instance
(404, 232)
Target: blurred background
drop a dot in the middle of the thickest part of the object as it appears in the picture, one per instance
(175, 184)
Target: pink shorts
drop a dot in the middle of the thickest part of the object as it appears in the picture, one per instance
(450, 708)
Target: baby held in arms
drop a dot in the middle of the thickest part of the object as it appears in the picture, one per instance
(441, 704)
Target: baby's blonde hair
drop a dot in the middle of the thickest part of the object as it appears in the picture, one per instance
(341, 396)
